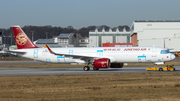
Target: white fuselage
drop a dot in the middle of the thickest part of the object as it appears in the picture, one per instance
(115, 54)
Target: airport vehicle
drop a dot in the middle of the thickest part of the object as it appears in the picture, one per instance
(169, 67)
(177, 54)
(99, 57)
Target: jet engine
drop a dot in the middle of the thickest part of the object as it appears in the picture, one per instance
(102, 63)
(116, 65)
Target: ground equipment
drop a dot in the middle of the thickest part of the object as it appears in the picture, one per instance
(169, 67)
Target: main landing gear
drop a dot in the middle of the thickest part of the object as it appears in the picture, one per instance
(87, 68)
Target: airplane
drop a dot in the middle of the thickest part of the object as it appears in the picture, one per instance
(99, 57)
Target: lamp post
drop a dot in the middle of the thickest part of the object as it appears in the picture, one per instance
(32, 35)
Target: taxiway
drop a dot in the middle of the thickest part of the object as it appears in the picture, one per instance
(10, 71)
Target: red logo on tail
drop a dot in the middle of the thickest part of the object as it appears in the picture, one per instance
(21, 39)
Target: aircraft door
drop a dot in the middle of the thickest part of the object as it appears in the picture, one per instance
(35, 54)
(142, 58)
(99, 52)
(61, 59)
(71, 53)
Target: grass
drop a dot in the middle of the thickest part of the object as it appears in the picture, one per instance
(96, 87)
(160, 86)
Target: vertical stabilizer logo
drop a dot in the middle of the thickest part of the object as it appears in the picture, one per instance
(21, 39)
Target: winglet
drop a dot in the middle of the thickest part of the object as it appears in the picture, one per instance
(45, 46)
(49, 49)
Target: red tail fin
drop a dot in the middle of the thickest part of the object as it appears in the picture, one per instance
(22, 41)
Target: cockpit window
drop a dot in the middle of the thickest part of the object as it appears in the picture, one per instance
(164, 51)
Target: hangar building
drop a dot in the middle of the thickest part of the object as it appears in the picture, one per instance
(157, 33)
(97, 37)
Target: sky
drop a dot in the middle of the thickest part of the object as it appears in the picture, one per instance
(84, 13)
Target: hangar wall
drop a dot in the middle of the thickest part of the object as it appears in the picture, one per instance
(156, 33)
(97, 37)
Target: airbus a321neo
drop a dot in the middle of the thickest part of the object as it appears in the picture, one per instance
(99, 57)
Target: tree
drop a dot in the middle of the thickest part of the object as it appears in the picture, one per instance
(39, 31)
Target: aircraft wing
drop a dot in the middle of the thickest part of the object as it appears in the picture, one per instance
(82, 57)
(18, 52)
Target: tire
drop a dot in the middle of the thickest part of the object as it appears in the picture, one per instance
(95, 69)
(174, 69)
(86, 68)
(160, 69)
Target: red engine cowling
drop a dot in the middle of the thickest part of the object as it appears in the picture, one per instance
(116, 65)
(102, 63)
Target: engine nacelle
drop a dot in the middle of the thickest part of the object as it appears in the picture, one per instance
(102, 63)
(116, 65)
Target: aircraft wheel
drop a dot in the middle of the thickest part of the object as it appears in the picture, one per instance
(160, 69)
(86, 68)
(95, 69)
